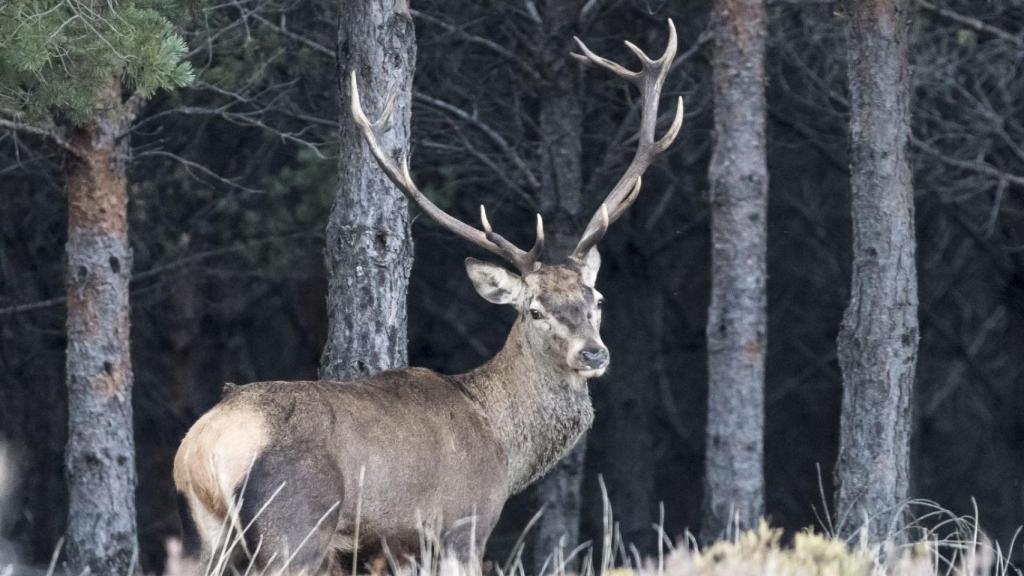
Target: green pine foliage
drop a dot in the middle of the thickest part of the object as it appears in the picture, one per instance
(57, 55)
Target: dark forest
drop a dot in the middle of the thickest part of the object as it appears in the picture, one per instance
(252, 202)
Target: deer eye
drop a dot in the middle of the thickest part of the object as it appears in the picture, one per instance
(599, 304)
(536, 314)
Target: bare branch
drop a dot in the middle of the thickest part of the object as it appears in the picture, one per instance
(972, 23)
(476, 122)
(190, 165)
(50, 134)
(523, 65)
(311, 44)
(976, 166)
(161, 269)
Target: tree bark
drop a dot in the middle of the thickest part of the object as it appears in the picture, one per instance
(369, 246)
(878, 339)
(738, 175)
(560, 200)
(101, 530)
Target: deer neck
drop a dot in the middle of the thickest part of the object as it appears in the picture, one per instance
(538, 410)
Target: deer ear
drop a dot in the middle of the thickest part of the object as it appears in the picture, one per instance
(493, 282)
(590, 267)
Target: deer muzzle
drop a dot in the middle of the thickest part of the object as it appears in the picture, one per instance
(591, 359)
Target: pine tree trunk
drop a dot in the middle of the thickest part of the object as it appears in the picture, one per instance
(560, 200)
(879, 335)
(101, 533)
(736, 317)
(369, 247)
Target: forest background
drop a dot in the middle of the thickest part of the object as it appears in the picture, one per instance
(232, 180)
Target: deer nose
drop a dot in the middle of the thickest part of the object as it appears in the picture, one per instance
(594, 357)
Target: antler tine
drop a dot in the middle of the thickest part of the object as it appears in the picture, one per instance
(387, 117)
(649, 80)
(484, 221)
(592, 236)
(524, 261)
(627, 201)
(400, 177)
(673, 129)
(588, 57)
(640, 54)
(538, 243)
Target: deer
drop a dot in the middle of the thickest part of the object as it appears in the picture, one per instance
(301, 476)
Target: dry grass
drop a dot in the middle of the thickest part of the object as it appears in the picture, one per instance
(761, 551)
(935, 542)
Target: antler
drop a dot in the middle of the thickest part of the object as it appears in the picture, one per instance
(487, 238)
(649, 80)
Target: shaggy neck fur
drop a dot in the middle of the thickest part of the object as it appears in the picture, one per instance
(538, 409)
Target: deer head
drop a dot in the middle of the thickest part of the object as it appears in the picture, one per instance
(559, 311)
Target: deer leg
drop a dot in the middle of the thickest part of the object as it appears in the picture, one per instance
(192, 543)
(466, 541)
(293, 502)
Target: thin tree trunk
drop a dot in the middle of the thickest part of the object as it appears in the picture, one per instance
(561, 198)
(879, 335)
(101, 532)
(736, 318)
(369, 247)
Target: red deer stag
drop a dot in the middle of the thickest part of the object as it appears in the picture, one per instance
(311, 471)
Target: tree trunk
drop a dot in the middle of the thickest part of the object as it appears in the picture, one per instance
(101, 534)
(369, 247)
(560, 200)
(879, 335)
(738, 175)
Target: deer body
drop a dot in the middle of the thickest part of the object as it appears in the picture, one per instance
(309, 472)
(431, 448)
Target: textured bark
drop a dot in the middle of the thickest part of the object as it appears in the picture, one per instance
(879, 335)
(560, 200)
(369, 246)
(736, 317)
(100, 456)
